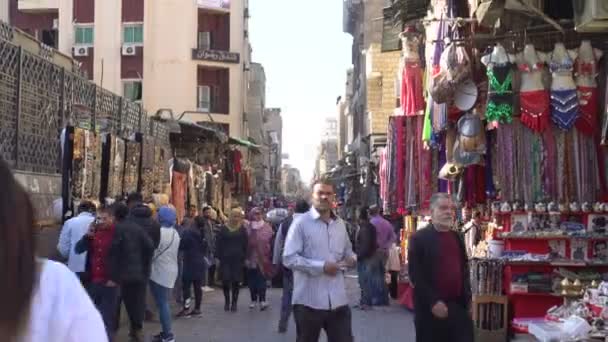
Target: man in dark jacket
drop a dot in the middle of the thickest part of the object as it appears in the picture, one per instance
(366, 247)
(301, 208)
(440, 275)
(135, 258)
(103, 266)
(141, 215)
(194, 246)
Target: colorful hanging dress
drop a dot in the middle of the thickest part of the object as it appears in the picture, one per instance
(534, 104)
(564, 102)
(500, 92)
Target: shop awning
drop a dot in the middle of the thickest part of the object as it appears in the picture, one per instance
(246, 143)
(192, 129)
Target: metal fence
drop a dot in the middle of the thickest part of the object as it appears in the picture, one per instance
(39, 98)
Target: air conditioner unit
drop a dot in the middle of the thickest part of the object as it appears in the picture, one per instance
(55, 24)
(80, 51)
(590, 15)
(128, 50)
(204, 99)
(204, 40)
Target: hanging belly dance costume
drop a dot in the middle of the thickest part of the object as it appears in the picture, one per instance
(564, 103)
(534, 104)
(412, 101)
(500, 93)
(587, 99)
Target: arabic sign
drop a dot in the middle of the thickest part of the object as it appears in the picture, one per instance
(218, 4)
(216, 56)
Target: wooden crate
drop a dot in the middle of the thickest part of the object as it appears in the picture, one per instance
(490, 317)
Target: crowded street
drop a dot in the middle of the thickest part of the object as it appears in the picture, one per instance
(308, 171)
(381, 324)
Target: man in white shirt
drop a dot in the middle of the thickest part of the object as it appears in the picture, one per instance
(73, 231)
(318, 251)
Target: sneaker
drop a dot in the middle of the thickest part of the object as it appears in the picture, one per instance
(252, 306)
(263, 306)
(207, 289)
(163, 338)
(184, 313)
(282, 329)
(195, 313)
(136, 336)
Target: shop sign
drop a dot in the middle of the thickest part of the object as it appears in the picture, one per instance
(216, 56)
(216, 4)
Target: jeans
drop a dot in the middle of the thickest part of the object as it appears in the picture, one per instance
(161, 297)
(106, 301)
(257, 284)
(198, 292)
(336, 323)
(363, 277)
(286, 299)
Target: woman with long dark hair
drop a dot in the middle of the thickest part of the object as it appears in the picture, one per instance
(41, 300)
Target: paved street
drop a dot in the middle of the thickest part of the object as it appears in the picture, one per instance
(382, 324)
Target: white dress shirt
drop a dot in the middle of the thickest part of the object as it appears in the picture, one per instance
(310, 243)
(73, 230)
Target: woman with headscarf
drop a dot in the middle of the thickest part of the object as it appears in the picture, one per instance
(231, 251)
(164, 270)
(258, 264)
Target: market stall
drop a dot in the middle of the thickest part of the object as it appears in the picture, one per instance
(509, 116)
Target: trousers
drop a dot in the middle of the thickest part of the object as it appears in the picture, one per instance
(133, 295)
(257, 284)
(105, 299)
(286, 307)
(198, 292)
(161, 297)
(336, 323)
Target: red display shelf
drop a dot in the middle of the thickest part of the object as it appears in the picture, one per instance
(533, 294)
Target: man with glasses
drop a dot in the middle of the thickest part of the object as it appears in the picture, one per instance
(439, 271)
(318, 251)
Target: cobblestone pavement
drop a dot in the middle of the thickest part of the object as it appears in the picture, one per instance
(392, 323)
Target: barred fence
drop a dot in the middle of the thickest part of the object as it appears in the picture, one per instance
(39, 98)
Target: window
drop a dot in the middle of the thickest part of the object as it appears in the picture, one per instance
(84, 35)
(203, 98)
(133, 34)
(132, 90)
(204, 40)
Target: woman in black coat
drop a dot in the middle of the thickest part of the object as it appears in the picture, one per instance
(194, 246)
(231, 252)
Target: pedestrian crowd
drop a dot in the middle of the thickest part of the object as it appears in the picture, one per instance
(118, 252)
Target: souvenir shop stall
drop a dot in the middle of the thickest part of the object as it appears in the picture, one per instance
(104, 159)
(206, 170)
(509, 116)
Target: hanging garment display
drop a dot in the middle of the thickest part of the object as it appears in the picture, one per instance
(147, 168)
(132, 163)
(116, 167)
(586, 71)
(534, 98)
(178, 194)
(564, 101)
(86, 165)
(412, 100)
(500, 94)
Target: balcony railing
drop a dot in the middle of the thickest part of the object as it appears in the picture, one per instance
(38, 5)
(219, 5)
(210, 55)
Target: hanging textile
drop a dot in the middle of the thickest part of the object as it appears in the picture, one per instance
(147, 168)
(86, 165)
(116, 167)
(132, 162)
(178, 194)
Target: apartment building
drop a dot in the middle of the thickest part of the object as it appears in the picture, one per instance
(190, 56)
(273, 130)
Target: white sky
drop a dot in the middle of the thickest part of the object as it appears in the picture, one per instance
(305, 55)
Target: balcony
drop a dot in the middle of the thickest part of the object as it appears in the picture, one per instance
(214, 5)
(213, 38)
(37, 6)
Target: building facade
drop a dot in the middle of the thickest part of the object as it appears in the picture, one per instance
(371, 93)
(273, 130)
(188, 56)
(256, 104)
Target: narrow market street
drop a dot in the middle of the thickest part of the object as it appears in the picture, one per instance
(392, 323)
